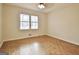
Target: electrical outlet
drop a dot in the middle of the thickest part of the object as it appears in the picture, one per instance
(30, 34)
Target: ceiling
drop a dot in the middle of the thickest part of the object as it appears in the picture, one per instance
(49, 6)
(33, 6)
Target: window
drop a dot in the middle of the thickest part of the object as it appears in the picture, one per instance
(34, 22)
(24, 21)
(28, 22)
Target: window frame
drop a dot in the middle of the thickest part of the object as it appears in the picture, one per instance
(23, 21)
(29, 21)
(38, 22)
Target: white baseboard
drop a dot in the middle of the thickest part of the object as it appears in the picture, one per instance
(40, 35)
(76, 43)
(21, 38)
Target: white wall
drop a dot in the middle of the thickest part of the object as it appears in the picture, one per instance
(0, 25)
(11, 29)
(63, 23)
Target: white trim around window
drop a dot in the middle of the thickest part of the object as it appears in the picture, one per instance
(28, 22)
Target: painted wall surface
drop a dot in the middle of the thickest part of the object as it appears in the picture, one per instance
(0, 25)
(63, 23)
(11, 20)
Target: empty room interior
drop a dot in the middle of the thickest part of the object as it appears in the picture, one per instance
(39, 29)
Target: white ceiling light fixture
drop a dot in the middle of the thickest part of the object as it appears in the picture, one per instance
(41, 5)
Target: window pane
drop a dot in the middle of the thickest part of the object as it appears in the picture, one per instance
(24, 17)
(34, 25)
(34, 22)
(34, 18)
(24, 25)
